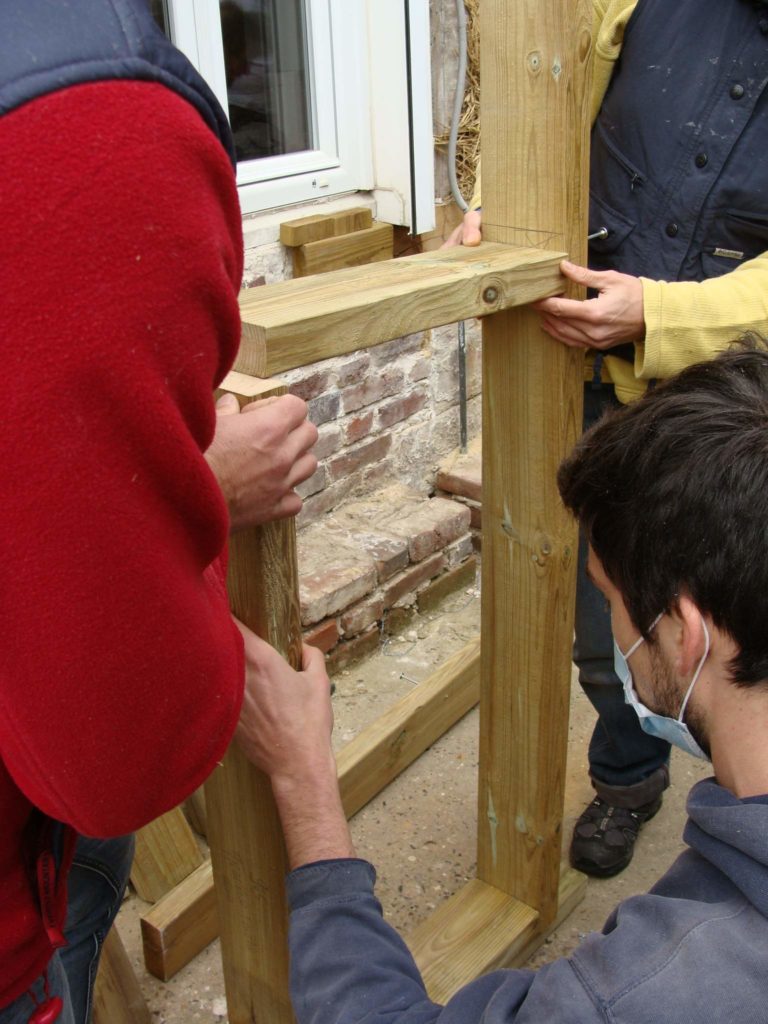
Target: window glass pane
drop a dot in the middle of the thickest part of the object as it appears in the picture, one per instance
(265, 58)
(159, 10)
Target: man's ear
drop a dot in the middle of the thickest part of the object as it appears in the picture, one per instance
(689, 636)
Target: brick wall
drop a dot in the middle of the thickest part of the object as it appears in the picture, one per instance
(385, 414)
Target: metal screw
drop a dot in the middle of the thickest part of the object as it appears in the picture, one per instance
(490, 294)
(602, 233)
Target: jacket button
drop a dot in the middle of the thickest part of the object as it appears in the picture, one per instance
(737, 91)
(701, 160)
(672, 229)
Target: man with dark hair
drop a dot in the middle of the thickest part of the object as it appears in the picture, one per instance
(671, 493)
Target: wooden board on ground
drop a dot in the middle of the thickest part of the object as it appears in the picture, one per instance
(386, 747)
(481, 929)
(117, 997)
(181, 924)
(293, 323)
(166, 852)
(359, 248)
(324, 225)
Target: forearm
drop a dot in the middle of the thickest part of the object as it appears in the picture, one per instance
(687, 322)
(313, 819)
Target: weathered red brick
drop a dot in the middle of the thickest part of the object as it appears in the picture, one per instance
(372, 389)
(324, 408)
(348, 651)
(462, 476)
(361, 615)
(400, 409)
(363, 454)
(433, 525)
(384, 354)
(323, 636)
(353, 372)
(358, 426)
(312, 385)
(315, 483)
(410, 580)
(439, 588)
(389, 554)
(328, 442)
(332, 589)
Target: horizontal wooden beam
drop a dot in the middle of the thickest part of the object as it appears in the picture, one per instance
(386, 747)
(182, 924)
(293, 323)
(481, 929)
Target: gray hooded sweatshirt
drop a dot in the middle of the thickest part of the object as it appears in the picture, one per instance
(694, 950)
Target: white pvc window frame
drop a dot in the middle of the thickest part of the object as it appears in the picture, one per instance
(341, 159)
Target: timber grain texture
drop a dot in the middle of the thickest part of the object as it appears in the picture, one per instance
(244, 834)
(166, 852)
(293, 323)
(536, 58)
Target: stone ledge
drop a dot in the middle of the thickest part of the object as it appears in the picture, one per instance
(368, 563)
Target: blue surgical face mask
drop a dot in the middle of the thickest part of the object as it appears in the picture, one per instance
(673, 730)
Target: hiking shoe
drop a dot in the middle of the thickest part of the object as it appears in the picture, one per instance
(604, 836)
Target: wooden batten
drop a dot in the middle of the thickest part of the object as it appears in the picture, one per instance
(293, 323)
(166, 852)
(482, 929)
(180, 925)
(386, 747)
(117, 996)
(305, 230)
(359, 248)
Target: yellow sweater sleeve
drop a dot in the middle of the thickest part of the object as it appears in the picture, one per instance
(687, 321)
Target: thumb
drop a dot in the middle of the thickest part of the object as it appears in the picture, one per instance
(583, 275)
(227, 405)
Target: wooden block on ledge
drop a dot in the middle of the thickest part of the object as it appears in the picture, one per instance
(324, 225)
(358, 248)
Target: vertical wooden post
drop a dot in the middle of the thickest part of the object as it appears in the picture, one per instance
(244, 833)
(535, 131)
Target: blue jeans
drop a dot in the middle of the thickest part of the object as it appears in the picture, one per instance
(628, 768)
(96, 885)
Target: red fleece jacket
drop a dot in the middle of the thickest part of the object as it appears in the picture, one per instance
(120, 670)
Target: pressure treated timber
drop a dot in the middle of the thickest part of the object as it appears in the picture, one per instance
(244, 833)
(534, 124)
(166, 852)
(117, 997)
(303, 230)
(481, 929)
(180, 925)
(183, 923)
(358, 248)
(293, 323)
(386, 747)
